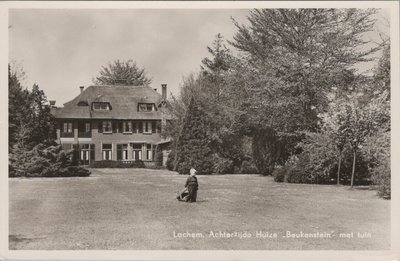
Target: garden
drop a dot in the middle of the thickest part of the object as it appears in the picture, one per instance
(136, 209)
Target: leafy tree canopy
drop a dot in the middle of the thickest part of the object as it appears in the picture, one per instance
(296, 55)
(122, 73)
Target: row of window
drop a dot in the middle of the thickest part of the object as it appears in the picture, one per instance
(137, 150)
(105, 106)
(85, 152)
(109, 126)
(130, 127)
(82, 127)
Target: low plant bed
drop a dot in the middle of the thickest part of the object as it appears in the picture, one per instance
(117, 164)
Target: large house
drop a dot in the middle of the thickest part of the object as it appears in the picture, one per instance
(113, 123)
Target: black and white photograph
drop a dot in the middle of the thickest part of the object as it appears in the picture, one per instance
(229, 127)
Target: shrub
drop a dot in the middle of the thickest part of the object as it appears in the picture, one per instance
(158, 157)
(222, 165)
(170, 160)
(117, 164)
(377, 151)
(194, 142)
(44, 161)
(248, 168)
(381, 177)
(265, 150)
(297, 170)
(299, 175)
(279, 174)
(154, 167)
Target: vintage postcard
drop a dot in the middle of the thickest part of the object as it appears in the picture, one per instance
(200, 130)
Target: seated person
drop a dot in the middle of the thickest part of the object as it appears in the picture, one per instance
(192, 186)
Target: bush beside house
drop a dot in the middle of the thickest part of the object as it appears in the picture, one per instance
(117, 164)
(44, 161)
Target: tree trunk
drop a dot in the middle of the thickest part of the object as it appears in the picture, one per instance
(354, 168)
(338, 171)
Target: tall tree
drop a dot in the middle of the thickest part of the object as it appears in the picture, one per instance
(122, 73)
(295, 57)
(18, 106)
(215, 93)
(30, 120)
(42, 121)
(193, 149)
(382, 72)
(334, 126)
(363, 119)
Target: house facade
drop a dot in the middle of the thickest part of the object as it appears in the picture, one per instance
(123, 123)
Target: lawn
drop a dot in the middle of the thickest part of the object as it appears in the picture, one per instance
(136, 209)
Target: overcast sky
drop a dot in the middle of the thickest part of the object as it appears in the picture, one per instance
(63, 49)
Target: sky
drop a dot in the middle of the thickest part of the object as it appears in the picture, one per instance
(62, 49)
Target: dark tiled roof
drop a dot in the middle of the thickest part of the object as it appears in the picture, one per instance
(123, 100)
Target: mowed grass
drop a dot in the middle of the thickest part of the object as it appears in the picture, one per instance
(136, 209)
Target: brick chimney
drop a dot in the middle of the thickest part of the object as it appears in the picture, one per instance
(81, 87)
(164, 91)
(163, 107)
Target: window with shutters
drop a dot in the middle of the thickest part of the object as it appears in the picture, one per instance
(127, 127)
(107, 127)
(147, 127)
(67, 129)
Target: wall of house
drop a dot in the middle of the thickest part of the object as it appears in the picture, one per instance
(99, 138)
(119, 138)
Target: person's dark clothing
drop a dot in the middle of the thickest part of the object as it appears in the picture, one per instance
(192, 186)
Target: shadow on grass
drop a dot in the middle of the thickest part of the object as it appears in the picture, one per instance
(197, 201)
(362, 188)
(16, 240)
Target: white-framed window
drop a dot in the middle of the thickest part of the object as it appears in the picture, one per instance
(146, 107)
(84, 152)
(107, 151)
(122, 151)
(107, 127)
(147, 127)
(67, 127)
(127, 127)
(101, 106)
(137, 151)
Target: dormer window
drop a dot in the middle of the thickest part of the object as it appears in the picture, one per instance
(101, 106)
(146, 107)
(83, 103)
